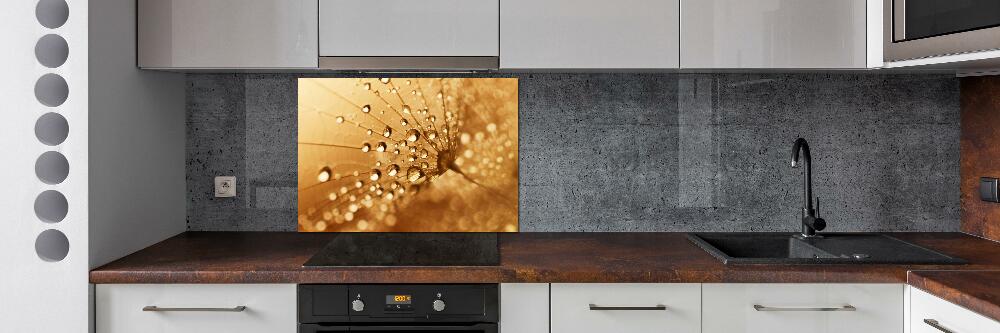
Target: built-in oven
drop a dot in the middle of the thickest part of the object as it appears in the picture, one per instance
(928, 28)
(387, 308)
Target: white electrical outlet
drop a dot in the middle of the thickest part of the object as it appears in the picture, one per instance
(225, 187)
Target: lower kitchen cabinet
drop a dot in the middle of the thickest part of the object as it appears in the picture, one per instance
(524, 308)
(802, 308)
(930, 314)
(190, 308)
(625, 307)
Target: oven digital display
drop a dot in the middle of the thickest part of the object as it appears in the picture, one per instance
(398, 299)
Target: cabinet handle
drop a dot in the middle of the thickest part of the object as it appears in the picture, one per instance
(848, 307)
(935, 324)
(159, 309)
(657, 307)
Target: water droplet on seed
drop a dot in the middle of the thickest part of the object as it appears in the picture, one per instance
(380, 147)
(385, 80)
(366, 109)
(340, 120)
(366, 147)
(324, 175)
(415, 175)
(387, 132)
(412, 135)
(375, 175)
(392, 171)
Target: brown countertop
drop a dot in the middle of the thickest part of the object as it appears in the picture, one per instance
(975, 290)
(267, 257)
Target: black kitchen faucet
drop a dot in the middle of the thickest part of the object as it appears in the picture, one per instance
(810, 221)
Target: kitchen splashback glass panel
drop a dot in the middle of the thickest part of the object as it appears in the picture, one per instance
(408, 155)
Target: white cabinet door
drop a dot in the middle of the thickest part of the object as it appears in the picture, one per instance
(589, 34)
(625, 308)
(930, 314)
(227, 33)
(408, 28)
(270, 308)
(524, 308)
(773, 34)
(802, 308)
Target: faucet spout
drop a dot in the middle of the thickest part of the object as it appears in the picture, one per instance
(810, 222)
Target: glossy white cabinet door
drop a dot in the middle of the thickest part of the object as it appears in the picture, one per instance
(270, 308)
(572, 311)
(589, 34)
(773, 34)
(729, 308)
(408, 28)
(524, 308)
(227, 33)
(924, 306)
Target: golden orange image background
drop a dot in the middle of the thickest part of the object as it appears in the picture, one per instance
(408, 155)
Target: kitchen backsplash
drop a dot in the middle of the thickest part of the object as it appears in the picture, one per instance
(639, 152)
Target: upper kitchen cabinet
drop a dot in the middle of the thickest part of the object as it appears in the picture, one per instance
(220, 34)
(407, 34)
(780, 34)
(589, 34)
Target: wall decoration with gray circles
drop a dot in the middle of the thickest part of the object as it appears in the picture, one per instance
(52, 13)
(52, 245)
(51, 206)
(51, 50)
(52, 167)
(51, 129)
(51, 90)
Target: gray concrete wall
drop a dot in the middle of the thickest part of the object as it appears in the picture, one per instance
(640, 152)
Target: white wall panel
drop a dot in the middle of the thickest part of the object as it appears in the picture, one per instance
(38, 295)
(137, 186)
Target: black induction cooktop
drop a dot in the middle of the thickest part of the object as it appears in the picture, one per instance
(408, 249)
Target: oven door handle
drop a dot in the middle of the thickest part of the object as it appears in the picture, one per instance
(485, 328)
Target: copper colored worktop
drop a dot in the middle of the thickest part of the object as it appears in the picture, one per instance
(270, 257)
(276, 257)
(978, 291)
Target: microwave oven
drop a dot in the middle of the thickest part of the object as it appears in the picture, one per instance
(915, 29)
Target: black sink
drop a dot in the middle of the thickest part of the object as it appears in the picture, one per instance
(835, 248)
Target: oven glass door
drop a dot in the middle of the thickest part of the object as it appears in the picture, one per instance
(929, 18)
(476, 328)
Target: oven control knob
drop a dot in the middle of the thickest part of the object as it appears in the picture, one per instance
(358, 305)
(438, 305)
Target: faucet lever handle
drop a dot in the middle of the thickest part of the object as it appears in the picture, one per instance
(817, 206)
